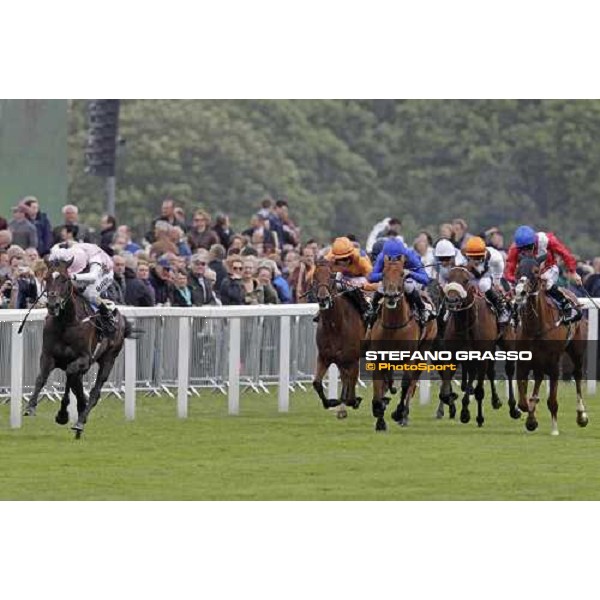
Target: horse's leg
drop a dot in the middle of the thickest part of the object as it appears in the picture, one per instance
(522, 384)
(341, 412)
(62, 416)
(480, 393)
(577, 358)
(105, 365)
(46, 367)
(399, 414)
(552, 401)
(379, 403)
(531, 423)
(410, 392)
(353, 373)
(509, 368)
(79, 393)
(467, 382)
(491, 373)
(322, 367)
(446, 395)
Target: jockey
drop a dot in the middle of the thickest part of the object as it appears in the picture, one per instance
(352, 268)
(416, 277)
(487, 265)
(545, 247)
(447, 255)
(91, 270)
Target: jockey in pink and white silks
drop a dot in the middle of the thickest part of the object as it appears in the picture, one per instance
(91, 270)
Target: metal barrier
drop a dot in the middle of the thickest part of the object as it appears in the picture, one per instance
(183, 350)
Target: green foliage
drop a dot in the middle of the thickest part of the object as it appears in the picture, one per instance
(346, 163)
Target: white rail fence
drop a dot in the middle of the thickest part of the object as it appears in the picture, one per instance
(182, 350)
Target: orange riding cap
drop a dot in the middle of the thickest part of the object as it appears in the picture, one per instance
(343, 248)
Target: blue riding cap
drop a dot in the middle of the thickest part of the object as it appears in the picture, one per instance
(524, 236)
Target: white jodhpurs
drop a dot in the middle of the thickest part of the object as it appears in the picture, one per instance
(485, 284)
(409, 285)
(93, 291)
(550, 276)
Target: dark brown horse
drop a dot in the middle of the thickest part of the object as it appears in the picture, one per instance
(541, 331)
(471, 326)
(71, 343)
(396, 323)
(339, 333)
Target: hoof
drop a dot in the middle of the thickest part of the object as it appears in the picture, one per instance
(554, 432)
(514, 412)
(397, 415)
(29, 412)
(496, 402)
(404, 422)
(61, 418)
(357, 402)
(582, 419)
(393, 390)
(531, 424)
(439, 413)
(342, 413)
(452, 411)
(78, 434)
(380, 425)
(465, 416)
(480, 421)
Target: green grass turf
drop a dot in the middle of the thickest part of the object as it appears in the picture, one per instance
(303, 455)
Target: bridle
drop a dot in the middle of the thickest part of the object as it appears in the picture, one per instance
(457, 303)
(332, 287)
(57, 302)
(393, 297)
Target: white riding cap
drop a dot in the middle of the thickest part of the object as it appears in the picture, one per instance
(445, 249)
(62, 254)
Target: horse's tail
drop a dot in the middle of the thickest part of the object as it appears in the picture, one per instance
(132, 332)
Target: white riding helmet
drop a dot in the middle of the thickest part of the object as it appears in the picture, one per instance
(62, 253)
(445, 249)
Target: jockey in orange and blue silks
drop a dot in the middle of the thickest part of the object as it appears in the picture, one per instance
(545, 247)
(416, 278)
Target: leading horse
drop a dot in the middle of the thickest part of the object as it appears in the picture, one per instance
(71, 342)
(339, 333)
(541, 331)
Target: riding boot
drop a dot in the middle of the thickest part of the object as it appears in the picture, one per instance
(417, 304)
(569, 312)
(371, 315)
(361, 301)
(108, 317)
(499, 303)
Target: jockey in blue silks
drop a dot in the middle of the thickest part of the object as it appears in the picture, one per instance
(416, 277)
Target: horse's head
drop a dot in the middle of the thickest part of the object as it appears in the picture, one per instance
(59, 286)
(458, 291)
(393, 280)
(323, 281)
(528, 278)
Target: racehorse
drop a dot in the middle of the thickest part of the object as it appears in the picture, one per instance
(471, 326)
(339, 333)
(71, 343)
(541, 331)
(396, 323)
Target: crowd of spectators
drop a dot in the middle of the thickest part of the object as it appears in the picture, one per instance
(200, 260)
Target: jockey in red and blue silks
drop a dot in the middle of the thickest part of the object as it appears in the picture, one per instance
(545, 247)
(416, 277)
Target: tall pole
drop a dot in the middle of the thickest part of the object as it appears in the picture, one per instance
(111, 192)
